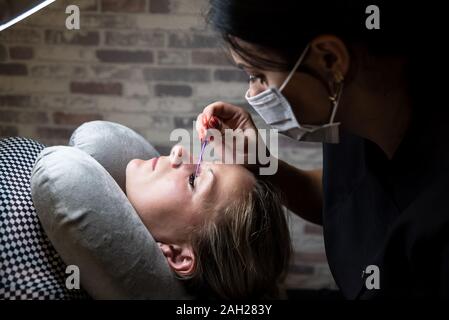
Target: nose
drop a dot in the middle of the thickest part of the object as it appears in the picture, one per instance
(256, 87)
(180, 156)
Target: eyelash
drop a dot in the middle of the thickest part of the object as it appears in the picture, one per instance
(253, 77)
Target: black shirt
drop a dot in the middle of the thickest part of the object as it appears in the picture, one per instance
(392, 213)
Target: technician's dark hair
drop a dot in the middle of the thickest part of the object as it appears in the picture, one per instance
(285, 27)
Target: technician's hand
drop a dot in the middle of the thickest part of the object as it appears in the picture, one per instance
(221, 116)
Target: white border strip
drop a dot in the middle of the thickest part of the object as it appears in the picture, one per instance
(26, 14)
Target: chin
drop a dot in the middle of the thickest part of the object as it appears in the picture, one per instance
(130, 168)
(135, 162)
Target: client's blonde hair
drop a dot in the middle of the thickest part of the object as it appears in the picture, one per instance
(244, 252)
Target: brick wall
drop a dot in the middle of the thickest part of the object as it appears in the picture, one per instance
(151, 65)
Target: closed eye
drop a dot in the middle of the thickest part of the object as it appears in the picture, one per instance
(253, 77)
(192, 177)
(192, 180)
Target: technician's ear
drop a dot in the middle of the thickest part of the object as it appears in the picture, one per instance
(179, 257)
(329, 55)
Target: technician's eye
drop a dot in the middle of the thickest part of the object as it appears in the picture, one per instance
(192, 180)
(252, 78)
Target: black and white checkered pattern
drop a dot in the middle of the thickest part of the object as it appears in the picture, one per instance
(30, 268)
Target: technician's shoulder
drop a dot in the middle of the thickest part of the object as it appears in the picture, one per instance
(344, 165)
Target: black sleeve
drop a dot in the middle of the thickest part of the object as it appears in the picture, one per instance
(416, 256)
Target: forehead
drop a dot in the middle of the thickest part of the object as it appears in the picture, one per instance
(235, 56)
(238, 59)
(254, 57)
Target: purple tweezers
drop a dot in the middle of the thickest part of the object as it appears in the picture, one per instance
(203, 146)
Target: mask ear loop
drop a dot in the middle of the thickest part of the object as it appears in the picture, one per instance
(294, 68)
(335, 99)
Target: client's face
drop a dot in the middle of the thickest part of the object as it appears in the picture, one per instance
(167, 200)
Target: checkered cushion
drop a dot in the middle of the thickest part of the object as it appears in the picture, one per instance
(30, 268)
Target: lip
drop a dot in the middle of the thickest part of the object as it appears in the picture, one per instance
(154, 162)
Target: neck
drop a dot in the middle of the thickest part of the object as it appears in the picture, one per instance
(381, 116)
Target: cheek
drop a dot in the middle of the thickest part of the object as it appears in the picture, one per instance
(255, 89)
(277, 78)
(309, 100)
(153, 196)
(165, 210)
(135, 174)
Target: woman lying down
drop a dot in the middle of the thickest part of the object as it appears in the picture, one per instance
(224, 231)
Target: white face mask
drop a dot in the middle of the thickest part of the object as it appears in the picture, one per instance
(275, 110)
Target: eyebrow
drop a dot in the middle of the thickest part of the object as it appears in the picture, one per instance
(212, 183)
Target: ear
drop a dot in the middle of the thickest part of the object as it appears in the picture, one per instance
(179, 257)
(330, 55)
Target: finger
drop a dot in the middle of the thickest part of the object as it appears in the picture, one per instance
(200, 125)
(222, 110)
(199, 121)
(214, 122)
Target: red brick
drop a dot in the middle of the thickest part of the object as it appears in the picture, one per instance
(13, 100)
(192, 40)
(210, 58)
(107, 21)
(13, 69)
(21, 53)
(58, 70)
(85, 38)
(110, 88)
(120, 56)
(159, 6)
(23, 116)
(162, 90)
(8, 131)
(132, 6)
(89, 5)
(230, 75)
(142, 38)
(177, 74)
(26, 36)
(3, 53)
(74, 119)
(184, 122)
(179, 57)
